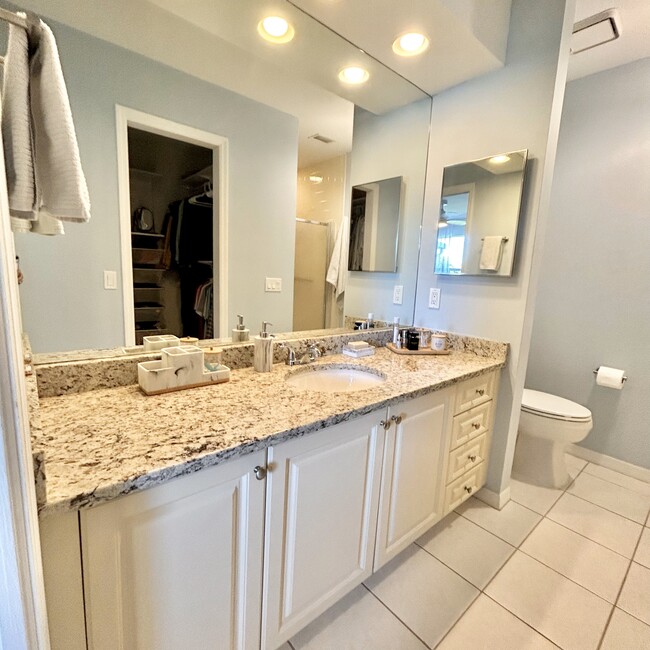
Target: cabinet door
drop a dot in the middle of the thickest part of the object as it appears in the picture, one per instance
(412, 477)
(178, 565)
(321, 515)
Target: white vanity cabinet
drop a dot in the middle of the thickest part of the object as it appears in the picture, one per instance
(321, 515)
(179, 565)
(411, 496)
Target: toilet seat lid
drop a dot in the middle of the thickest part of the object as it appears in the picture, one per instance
(545, 404)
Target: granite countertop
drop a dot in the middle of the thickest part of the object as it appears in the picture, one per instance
(105, 443)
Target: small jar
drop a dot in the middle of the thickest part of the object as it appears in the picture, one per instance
(438, 342)
(425, 338)
(412, 339)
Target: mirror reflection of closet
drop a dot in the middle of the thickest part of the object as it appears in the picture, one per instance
(171, 197)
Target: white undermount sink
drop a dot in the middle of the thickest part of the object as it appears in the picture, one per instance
(335, 379)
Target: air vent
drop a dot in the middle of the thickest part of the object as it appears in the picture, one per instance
(596, 30)
(321, 138)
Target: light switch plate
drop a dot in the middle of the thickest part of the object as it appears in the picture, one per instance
(434, 298)
(398, 293)
(110, 279)
(273, 285)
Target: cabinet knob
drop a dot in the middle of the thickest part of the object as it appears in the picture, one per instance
(397, 419)
(385, 424)
(260, 472)
(476, 425)
(468, 489)
(471, 458)
(480, 391)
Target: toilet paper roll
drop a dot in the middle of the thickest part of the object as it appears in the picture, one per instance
(610, 377)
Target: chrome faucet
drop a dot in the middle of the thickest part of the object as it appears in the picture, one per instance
(314, 351)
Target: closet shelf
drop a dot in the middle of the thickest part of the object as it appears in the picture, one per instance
(144, 172)
(136, 233)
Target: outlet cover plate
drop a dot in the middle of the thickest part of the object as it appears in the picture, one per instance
(434, 298)
(398, 294)
(273, 285)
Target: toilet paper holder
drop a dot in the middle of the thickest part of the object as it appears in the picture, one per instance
(597, 369)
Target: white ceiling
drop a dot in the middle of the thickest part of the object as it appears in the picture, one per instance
(633, 44)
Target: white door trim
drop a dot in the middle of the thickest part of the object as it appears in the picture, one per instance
(126, 117)
(23, 616)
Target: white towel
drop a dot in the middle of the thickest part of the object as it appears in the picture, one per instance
(491, 252)
(337, 272)
(60, 190)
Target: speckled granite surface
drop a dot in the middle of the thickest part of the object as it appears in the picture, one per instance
(104, 443)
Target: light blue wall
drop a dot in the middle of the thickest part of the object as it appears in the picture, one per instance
(64, 304)
(593, 306)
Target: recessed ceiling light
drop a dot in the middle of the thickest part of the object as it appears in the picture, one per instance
(410, 44)
(275, 29)
(499, 160)
(315, 178)
(354, 75)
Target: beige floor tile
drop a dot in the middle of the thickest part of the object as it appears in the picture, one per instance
(574, 464)
(455, 540)
(423, 593)
(285, 646)
(512, 523)
(589, 564)
(642, 487)
(626, 633)
(642, 555)
(488, 626)
(607, 528)
(537, 498)
(357, 621)
(561, 610)
(613, 497)
(635, 597)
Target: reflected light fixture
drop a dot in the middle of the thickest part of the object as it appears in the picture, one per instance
(410, 44)
(499, 160)
(354, 75)
(315, 178)
(275, 29)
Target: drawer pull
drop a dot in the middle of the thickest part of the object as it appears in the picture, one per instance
(480, 391)
(260, 472)
(468, 489)
(385, 424)
(397, 419)
(471, 458)
(476, 425)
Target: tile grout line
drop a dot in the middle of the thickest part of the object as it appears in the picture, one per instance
(577, 496)
(602, 478)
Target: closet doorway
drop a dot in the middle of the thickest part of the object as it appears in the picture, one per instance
(172, 185)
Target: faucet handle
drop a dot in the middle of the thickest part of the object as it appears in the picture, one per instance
(317, 349)
(291, 353)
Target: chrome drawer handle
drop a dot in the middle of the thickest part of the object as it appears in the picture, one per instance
(468, 489)
(471, 458)
(480, 391)
(385, 424)
(397, 419)
(260, 472)
(476, 425)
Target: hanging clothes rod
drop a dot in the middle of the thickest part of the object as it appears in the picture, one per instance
(316, 223)
(14, 19)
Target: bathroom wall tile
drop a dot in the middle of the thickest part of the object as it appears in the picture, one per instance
(629, 482)
(626, 633)
(589, 564)
(612, 497)
(357, 621)
(642, 555)
(607, 528)
(537, 498)
(558, 608)
(454, 542)
(423, 593)
(635, 596)
(488, 625)
(512, 523)
(574, 465)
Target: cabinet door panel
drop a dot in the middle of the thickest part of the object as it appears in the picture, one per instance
(178, 565)
(412, 479)
(321, 517)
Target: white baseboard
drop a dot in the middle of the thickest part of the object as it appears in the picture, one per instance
(641, 473)
(495, 499)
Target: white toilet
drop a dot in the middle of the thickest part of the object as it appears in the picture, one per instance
(547, 425)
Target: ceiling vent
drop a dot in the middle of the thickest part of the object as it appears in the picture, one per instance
(596, 30)
(321, 138)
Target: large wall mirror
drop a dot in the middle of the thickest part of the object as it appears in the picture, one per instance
(479, 215)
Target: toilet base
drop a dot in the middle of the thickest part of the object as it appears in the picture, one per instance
(540, 461)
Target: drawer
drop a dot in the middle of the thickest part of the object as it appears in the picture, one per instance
(470, 425)
(474, 392)
(470, 455)
(463, 488)
(149, 294)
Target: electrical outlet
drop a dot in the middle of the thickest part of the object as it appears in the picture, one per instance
(434, 298)
(273, 285)
(110, 279)
(398, 292)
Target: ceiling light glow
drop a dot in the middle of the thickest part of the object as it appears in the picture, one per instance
(316, 178)
(354, 75)
(275, 29)
(410, 44)
(499, 160)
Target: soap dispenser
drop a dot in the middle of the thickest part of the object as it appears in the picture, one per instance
(263, 353)
(240, 333)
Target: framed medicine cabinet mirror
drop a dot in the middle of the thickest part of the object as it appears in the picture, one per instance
(479, 215)
(374, 225)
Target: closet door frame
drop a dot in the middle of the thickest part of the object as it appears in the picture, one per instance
(128, 117)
